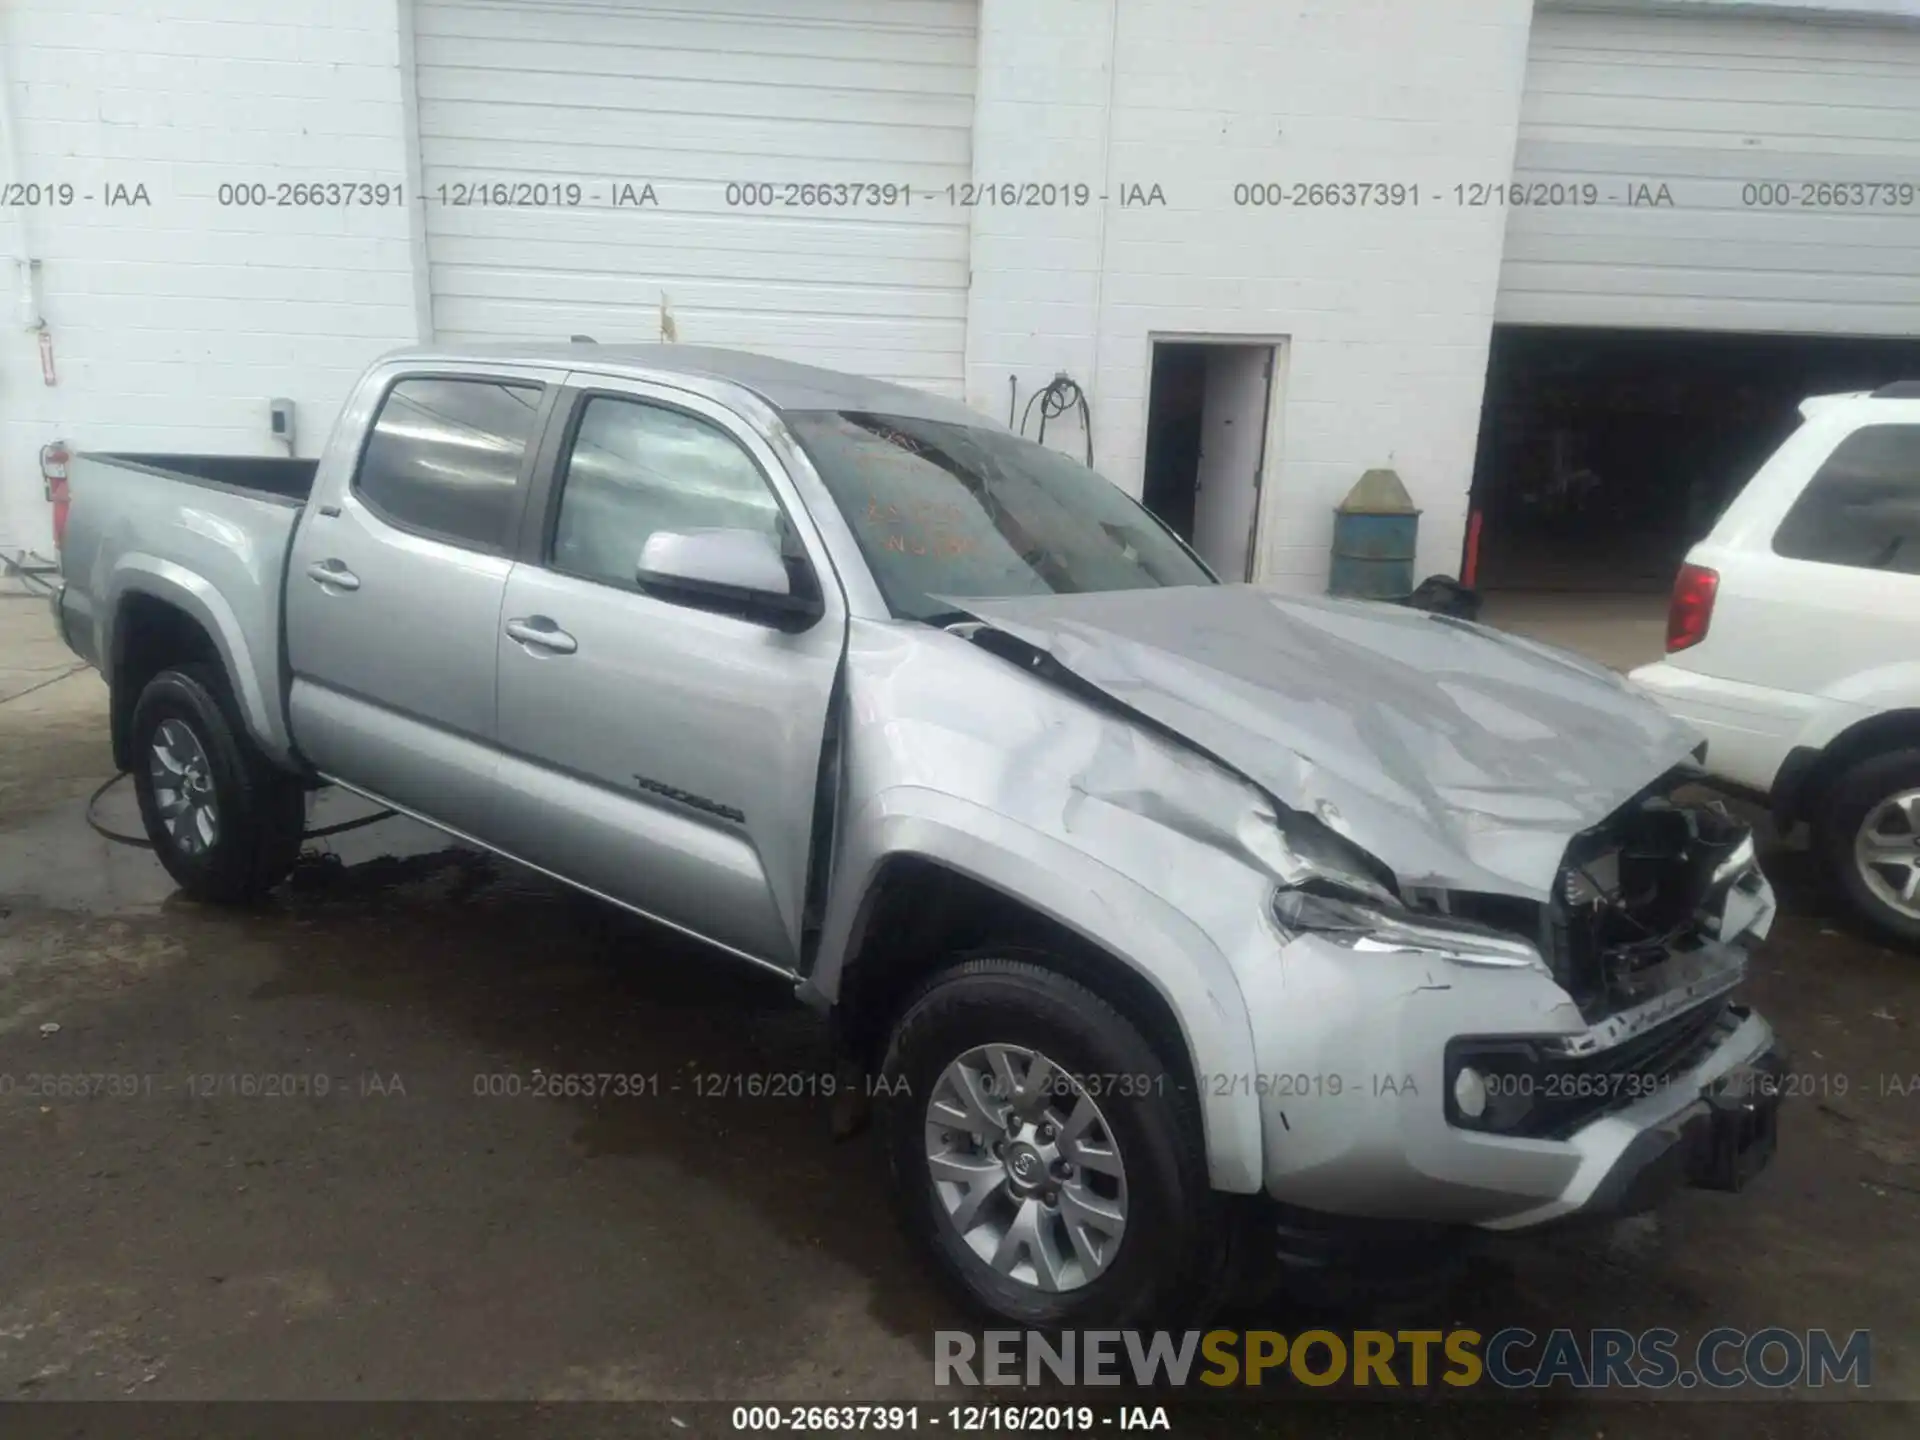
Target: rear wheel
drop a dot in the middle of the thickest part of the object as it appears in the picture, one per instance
(1869, 837)
(1043, 1155)
(224, 821)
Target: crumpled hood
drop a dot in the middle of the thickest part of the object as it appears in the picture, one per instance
(1456, 755)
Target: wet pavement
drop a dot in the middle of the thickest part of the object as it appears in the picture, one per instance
(313, 1162)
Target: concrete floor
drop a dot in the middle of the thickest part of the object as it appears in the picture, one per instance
(408, 1235)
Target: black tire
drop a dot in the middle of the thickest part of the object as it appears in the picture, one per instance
(1170, 1264)
(261, 809)
(1857, 793)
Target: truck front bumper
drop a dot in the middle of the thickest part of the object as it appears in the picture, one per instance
(1715, 1128)
(1679, 1092)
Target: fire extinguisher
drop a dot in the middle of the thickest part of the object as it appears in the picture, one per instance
(53, 471)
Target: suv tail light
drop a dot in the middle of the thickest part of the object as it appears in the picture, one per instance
(1691, 610)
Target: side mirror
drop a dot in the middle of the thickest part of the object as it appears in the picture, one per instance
(731, 569)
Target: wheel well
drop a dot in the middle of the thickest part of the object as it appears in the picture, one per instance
(921, 918)
(1893, 730)
(149, 635)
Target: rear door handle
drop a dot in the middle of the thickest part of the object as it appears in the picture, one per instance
(334, 573)
(541, 633)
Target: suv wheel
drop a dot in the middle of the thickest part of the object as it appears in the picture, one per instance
(224, 821)
(1869, 838)
(1044, 1156)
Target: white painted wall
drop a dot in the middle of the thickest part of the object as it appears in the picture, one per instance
(173, 324)
(1389, 310)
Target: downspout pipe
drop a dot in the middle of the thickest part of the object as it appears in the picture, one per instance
(26, 277)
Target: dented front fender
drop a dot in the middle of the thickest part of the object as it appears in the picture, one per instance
(1130, 840)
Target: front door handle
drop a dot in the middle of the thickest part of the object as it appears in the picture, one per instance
(334, 573)
(541, 633)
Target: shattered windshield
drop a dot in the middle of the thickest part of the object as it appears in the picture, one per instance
(965, 511)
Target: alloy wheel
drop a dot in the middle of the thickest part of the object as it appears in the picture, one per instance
(1886, 850)
(183, 788)
(1026, 1167)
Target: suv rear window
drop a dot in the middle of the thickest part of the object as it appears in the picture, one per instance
(445, 457)
(1862, 507)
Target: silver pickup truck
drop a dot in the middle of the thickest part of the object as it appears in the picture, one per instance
(1189, 937)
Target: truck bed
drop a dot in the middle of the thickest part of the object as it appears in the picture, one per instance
(266, 475)
(204, 535)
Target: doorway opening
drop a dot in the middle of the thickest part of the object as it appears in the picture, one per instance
(1605, 454)
(1208, 410)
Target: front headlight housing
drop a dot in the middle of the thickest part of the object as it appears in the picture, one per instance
(1367, 927)
(1329, 889)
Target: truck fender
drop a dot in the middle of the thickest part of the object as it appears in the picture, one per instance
(1106, 908)
(137, 573)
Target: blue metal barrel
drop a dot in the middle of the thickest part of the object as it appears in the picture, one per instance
(1375, 533)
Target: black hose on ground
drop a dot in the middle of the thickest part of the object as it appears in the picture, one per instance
(141, 843)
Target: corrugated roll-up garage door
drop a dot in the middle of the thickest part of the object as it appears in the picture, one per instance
(531, 98)
(1790, 150)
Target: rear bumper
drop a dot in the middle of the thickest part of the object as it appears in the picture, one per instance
(57, 603)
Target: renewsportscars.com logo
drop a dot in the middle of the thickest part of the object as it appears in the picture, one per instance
(1722, 1359)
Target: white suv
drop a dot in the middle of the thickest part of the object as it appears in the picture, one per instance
(1793, 645)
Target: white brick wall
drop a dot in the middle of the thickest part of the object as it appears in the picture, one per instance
(175, 323)
(1388, 311)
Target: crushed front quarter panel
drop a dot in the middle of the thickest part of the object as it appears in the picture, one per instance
(1058, 796)
(952, 754)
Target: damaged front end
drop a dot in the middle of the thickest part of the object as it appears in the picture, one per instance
(1657, 882)
(1655, 904)
(1445, 806)
(1648, 931)
(1648, 1074)
(1507, 935)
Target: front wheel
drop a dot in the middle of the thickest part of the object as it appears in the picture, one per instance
(1869, 837)
(224, 821)
(1043, 1155)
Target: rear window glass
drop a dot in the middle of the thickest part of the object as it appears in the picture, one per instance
(445, 456)
(1862, 507)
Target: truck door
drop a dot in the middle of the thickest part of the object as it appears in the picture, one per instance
(662, 752)
(394, 590)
